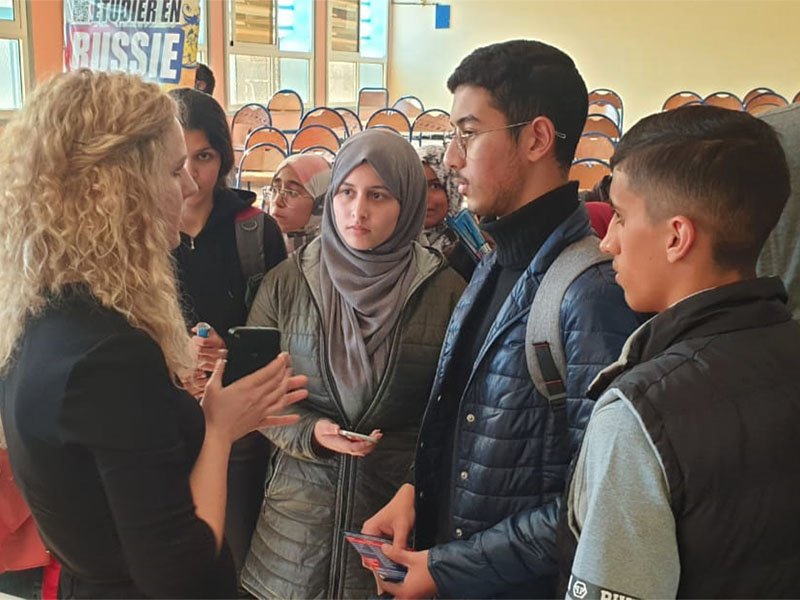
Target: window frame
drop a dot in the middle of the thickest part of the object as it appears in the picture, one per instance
(19, 30)
(203, 50)
(354, 57)
(272, 52)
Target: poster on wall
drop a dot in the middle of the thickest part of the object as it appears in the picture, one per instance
(156, 39)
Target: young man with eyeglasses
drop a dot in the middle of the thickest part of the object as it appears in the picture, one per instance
(491, 461)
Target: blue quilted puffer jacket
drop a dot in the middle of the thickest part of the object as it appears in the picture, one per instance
(509, 463)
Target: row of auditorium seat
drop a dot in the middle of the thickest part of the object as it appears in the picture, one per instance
(264, 134)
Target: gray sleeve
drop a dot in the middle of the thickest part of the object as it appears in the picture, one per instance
(620, 510)
(296, 439)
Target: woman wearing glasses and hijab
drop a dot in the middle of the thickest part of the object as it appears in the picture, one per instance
(214, 279)
(363, 310)
(296, 197)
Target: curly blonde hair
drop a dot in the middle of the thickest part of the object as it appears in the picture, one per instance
(80, 202)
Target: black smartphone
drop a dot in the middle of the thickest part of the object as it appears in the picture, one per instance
(249, 349)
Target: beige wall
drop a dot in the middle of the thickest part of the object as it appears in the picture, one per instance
(645, 50)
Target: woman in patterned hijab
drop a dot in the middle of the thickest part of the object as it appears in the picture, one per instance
(443, 198)
(443, 201)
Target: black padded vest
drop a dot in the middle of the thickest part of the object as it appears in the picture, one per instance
(716, 381)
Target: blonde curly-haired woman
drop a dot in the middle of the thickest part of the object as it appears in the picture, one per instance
(123, 471)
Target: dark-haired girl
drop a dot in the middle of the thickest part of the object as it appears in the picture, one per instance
(214, 277)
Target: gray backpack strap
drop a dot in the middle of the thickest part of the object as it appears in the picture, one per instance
(544, 345)
(250, 244)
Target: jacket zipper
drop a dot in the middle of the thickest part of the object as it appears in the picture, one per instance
(347, 462)
(325, 368)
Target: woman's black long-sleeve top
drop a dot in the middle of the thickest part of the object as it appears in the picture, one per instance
(102, 445)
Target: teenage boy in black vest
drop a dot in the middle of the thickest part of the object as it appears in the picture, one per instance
(492, 455)
(686, 483)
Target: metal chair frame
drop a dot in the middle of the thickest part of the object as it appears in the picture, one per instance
(252, 137)
(251, 151)
(611, 97)
(322, 130)
(354, 124)
(321, 114)
(420, 121)
(242, 116)
(387, 116)
(682, 98)
(369, 92)
(724, 99)
(589, 163)
(601, 124)
(591, 140)
(409, 102)
(285, 114)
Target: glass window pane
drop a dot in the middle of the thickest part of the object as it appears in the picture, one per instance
(295, 76)
(253, 22)
(295, 25)
(344, 25)
(10, 75)
(250, 79)
(341, 83)
(6, 10)
(374, 21)
(370, 75)
(201, 39)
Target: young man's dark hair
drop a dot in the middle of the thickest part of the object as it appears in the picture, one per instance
(724, 168)
(204, 79)
(527, 79)
(200, 111)
(684, 485)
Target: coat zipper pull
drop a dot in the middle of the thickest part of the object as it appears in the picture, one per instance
(191, 243)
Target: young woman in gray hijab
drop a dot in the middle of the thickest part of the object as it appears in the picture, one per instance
(363, 310)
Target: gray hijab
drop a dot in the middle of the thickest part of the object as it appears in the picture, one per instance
(363, 291)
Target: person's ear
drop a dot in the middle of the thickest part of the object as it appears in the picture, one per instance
(538, 138)
(681, 239)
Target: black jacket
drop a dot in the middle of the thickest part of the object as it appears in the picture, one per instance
(210, 274)
(716, 382)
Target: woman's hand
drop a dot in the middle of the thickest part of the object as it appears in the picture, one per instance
(254, 401)
(326, 434)
(207, 350)
(194, 382)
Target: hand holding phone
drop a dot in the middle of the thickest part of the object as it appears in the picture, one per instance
(358, 437)
(255, 401)
(331, 437)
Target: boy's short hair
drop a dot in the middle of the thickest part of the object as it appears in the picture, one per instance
(527, 79)
(206, 75)
(724, 169)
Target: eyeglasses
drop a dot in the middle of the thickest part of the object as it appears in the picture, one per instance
(462, 138)
(288, 195)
